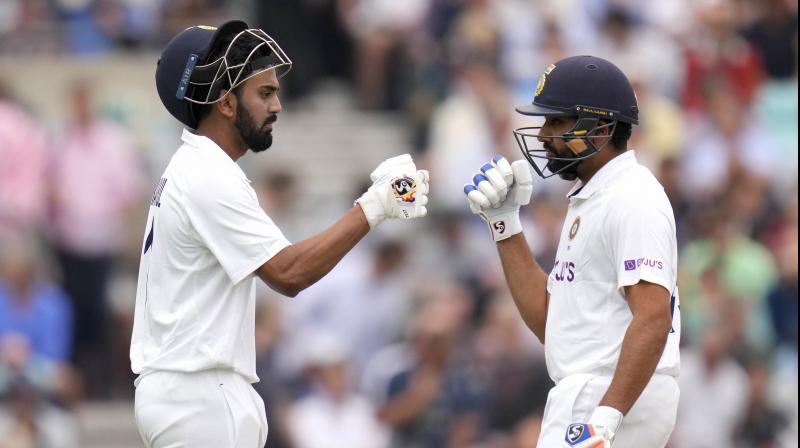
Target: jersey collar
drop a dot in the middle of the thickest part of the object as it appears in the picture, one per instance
(607, 172)
(203, 142)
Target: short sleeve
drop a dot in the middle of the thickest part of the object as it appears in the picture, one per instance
(234, 227)
(642, 244)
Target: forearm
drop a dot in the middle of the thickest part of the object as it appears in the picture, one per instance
(302, 264)
(527, 282)
(641, 350)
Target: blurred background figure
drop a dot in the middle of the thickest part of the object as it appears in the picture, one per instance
(331, 414)
(24, 155)
(714, 392)
(365, 302)
(38, 387)
(382, 32)
(429, 334)
(95, 178)
(512, 366)
(275, 387)
(436, 399)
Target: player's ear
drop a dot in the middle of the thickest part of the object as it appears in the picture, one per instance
(227, 105)
(603, 134)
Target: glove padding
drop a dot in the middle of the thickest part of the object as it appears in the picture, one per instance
(497, 192)
(399, 191)
(598, 433)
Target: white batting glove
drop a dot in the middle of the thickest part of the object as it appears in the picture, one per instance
(399, 191)
(598, 433)
(497, 192)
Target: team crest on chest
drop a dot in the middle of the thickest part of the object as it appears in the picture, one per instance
(573, 229)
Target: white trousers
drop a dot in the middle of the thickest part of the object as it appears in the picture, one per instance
(212, 408)
(648, 424)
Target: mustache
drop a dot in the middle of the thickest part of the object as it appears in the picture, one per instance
(272, 118)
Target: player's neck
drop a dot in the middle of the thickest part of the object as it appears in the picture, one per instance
(589, 167)
(228, 141)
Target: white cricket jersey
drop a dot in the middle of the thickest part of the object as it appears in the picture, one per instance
(206, 234)
(619, 229)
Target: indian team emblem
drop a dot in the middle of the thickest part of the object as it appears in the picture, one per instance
(543, 79)
(573, 230)
(405, 188)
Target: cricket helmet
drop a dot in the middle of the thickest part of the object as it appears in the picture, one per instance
(591, 89)
(186, 77)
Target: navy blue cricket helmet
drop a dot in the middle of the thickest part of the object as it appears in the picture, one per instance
(185, 76)
(591, 89)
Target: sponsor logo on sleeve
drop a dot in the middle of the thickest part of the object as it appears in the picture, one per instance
(632, 264)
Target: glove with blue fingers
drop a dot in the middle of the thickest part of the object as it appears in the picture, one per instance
(399, 191)
(598, 433)
(497, 192)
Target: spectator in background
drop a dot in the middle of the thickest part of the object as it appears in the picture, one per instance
(382, 30)
(332, 415)
(311, 31)
(774, 34)
(366, 301)
(96, 179)
(273, 387)
(82, 31)
(662, 132)
(635, 48)
(746, 273)
(473, 122)
(511, 362)
(277, 193)
(23, 161)
(783, 297)
(763, 423)
(436, 401)
(668, 173)
(716, 53)
(724, 144)
(713, 392)
(451, 253)
(37, 386)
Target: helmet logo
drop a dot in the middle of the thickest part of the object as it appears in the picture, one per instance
(404, 188)
(207, 27)
(543, 79)
(573, 230)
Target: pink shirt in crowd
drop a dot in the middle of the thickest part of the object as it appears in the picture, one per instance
(96, 176)
(22, 171)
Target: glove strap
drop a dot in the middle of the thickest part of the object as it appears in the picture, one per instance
(505, 225)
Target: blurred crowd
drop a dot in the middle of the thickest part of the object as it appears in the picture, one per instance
(413, 340)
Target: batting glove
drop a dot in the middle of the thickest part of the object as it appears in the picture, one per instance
(598, 433)
(497, 192)
(399, 191)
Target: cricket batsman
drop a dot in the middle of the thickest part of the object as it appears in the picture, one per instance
(608, 312)
(207, 239)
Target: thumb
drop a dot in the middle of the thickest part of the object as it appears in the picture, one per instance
(523, 181)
